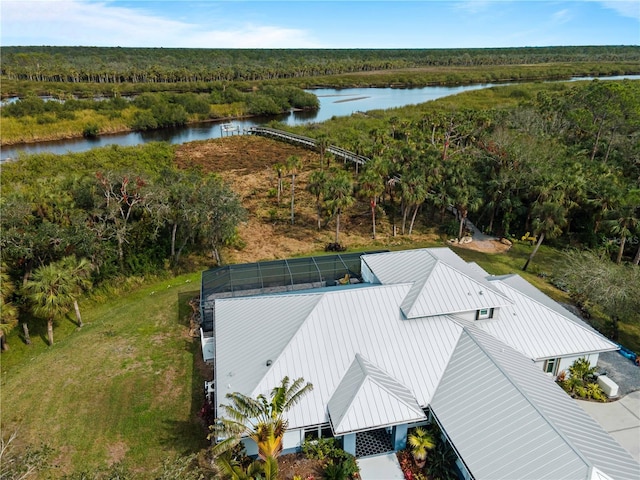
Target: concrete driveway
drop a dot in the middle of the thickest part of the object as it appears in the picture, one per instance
(621, 419)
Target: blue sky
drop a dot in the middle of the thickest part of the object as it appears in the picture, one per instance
(319, 24)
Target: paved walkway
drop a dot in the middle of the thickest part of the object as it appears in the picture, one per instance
(620, 418)
(380, 467)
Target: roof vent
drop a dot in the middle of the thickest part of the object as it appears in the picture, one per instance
(481, 292)
(269, 362)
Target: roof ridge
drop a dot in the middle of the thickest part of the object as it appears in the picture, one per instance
(468, 329)
(321, 296)
(285, 347)
(368, 377)
(386, 374)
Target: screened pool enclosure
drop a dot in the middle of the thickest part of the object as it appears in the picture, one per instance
(273, 277)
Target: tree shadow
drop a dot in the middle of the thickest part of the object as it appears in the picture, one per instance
(190, 436)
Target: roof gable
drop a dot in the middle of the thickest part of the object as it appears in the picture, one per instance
(367, 397)
(433, 295)
(442, 282)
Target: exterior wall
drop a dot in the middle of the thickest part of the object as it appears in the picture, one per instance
(400, 437)
(367, 275)
(566, 362)
(251, 447)
(471, 316)
(349, 443)
(293, 440)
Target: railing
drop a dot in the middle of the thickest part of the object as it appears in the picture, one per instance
(306, 142)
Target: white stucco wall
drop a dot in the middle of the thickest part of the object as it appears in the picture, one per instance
(566, 362)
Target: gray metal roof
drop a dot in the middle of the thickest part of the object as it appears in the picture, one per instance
(599, 448)
(321, 346)
(539, 331)
(442, 282)
(368, 397)
(252, 331)
(507, 419)
(496, 430)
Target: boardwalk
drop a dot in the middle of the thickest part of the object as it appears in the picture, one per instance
(307, 142)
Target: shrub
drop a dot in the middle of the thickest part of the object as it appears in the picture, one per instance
(90, 130)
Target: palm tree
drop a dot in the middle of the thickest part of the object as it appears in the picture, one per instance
(322, 143)
(420, 441)
(279, 169)
(372, 186)
(259, 418)
(626, 219)
(293, 165)
(8, 311)
(317, 186)
(339, 188)
(80, 272)
(51, 292)
(549, 219)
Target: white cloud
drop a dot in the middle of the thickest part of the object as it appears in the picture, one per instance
(78, 22)
(561, 16)
(626, 8)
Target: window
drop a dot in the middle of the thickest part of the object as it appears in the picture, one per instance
(551, 366)
(484, 313)
(321, 431)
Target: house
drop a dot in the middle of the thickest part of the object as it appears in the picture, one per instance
(415, 336)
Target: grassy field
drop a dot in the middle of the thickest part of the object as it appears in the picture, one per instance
(123, 389)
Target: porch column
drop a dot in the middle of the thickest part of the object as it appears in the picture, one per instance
(400, 437)
(349, 443)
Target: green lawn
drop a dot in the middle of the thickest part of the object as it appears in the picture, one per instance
(124, 388)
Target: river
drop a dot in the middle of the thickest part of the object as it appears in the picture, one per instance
(333, 102)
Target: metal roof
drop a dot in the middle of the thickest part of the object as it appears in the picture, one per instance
(504, 415)
(519, 423)
(252, 331)
(369, 398)
(539, 331)
(442, 283)
(318, 339)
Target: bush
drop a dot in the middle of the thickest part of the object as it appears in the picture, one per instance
(339, 464)
(90, 130)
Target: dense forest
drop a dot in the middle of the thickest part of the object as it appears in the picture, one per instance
(166, 65)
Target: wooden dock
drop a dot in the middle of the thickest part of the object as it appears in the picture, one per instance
(307, 142)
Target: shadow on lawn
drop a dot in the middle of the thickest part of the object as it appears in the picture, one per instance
(190, 436)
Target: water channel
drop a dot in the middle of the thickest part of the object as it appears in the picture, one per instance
(333, 102)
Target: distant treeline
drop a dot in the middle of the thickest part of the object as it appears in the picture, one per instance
(168, 65)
